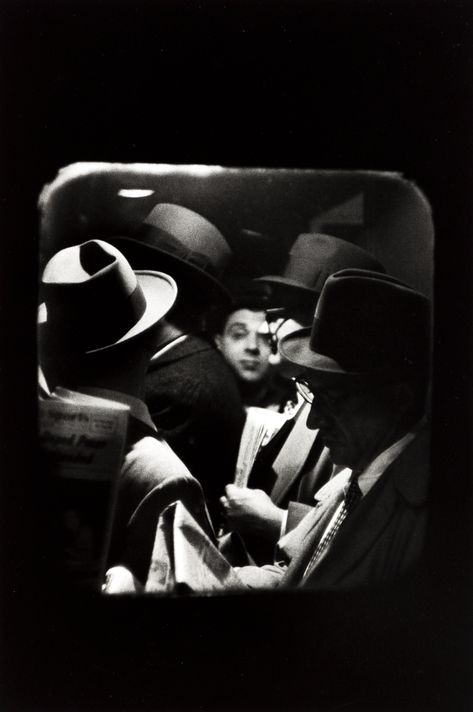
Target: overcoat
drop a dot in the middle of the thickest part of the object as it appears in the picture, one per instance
(194, 402)
(381, 540)
(151, 478)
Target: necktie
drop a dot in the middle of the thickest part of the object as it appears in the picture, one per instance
(352, 497)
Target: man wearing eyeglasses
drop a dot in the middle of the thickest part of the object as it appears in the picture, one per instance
(365, 373)
(295, 464)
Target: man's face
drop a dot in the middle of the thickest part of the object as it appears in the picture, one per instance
(354, 423)
(246, 344)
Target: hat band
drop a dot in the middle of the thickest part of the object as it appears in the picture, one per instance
(364, 355)
(166, 242)
(90, 324)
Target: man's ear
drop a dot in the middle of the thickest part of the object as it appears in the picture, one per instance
(218, 341)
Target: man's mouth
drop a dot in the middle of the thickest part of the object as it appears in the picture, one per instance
(249, 365)
(326, 437)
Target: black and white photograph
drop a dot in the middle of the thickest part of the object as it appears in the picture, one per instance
(236, 375)
(224, 345)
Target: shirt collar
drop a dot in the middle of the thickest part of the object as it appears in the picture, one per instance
(138, 409)
(167, 347)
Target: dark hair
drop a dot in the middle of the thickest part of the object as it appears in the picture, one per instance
(253, 297)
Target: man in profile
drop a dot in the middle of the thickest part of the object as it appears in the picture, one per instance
(365, 372)
(295, 464)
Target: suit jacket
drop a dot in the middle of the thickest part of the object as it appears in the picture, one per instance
(382, 538)
(290, 468)
(194, 402)
(293, 465)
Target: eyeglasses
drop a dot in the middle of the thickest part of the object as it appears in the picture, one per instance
(331, 399)
(304, 389)
(275, 318)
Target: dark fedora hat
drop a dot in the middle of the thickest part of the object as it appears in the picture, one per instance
(183, 243)
(367, 325)
(313, 258)
(94, 300)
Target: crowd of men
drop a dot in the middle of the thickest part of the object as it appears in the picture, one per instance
(338, 496)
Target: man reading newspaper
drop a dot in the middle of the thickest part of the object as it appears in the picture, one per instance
(365, 372)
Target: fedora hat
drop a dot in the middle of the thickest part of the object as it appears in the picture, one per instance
(313, 258)
(367, 325)
(181, 242)
(94, 300)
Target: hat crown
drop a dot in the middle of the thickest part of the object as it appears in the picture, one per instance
(183, 233)
(92, 295)
(370, 323)
(92, 260)
(315, 256)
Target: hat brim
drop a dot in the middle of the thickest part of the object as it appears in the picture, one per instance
(295, 348)
(160, 291)
(287, 282)
(185, 273)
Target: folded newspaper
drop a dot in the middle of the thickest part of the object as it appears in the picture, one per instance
(260, 426)
(82, 443)
(185, 559)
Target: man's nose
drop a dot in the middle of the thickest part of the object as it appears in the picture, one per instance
(252, 343)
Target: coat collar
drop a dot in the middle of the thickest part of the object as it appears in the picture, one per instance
(191, 345)
(89, 394)
(406, 477)
(414, 487)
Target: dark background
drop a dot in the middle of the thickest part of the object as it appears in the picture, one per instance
(354, 85)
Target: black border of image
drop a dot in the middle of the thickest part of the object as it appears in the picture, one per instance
(344, 84)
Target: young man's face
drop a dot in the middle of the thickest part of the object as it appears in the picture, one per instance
(246, 344)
